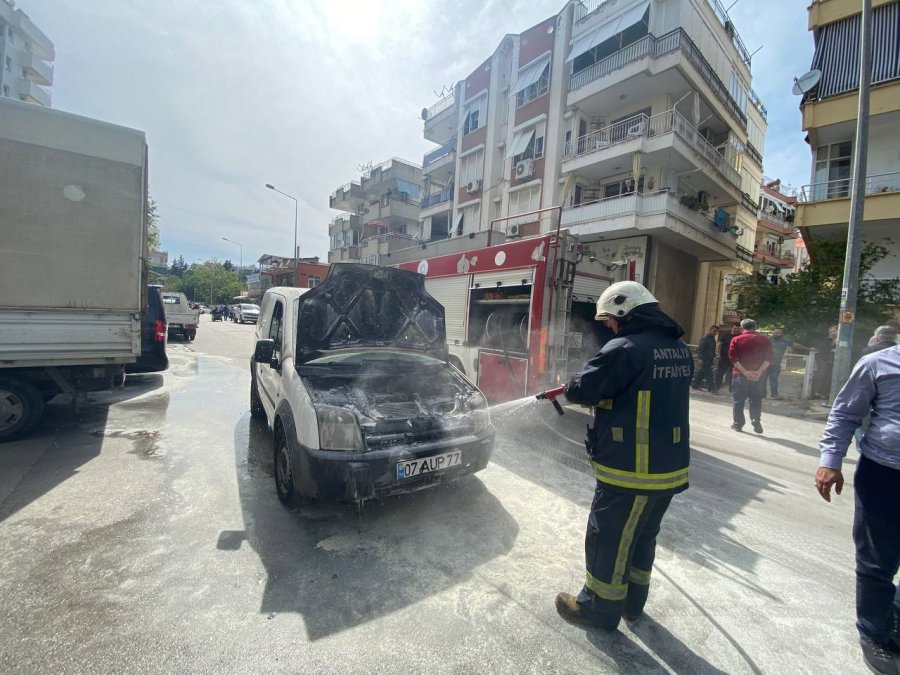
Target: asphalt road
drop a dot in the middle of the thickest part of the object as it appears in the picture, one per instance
(144, 535)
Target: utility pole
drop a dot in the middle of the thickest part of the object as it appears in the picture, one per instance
(850, 286)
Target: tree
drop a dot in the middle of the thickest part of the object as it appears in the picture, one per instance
(228, 265)
(151, 221)
(210, 282)
(807, 302)
(178, 267)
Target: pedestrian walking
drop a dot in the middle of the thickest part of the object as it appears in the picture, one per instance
(639, 385)
(724, 367)
(706, 351)
(873, 387)
(751, 354)
(884, 337)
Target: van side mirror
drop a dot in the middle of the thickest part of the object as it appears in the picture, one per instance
(265, 350)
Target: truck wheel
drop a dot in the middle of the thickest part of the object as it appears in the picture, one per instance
(190, 335)
(284, 474)
(21, 407)
(256, 407)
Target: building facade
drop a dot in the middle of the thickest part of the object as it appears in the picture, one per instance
(775, 252)
(380, 213)
(829, 119)
(26, 56)
(277, 270)
(636, 120)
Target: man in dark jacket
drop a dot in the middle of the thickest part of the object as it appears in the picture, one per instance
(639, 386)
(723, 367)
(706, 351)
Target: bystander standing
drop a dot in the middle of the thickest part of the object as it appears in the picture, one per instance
(751, 354)
(724, 367)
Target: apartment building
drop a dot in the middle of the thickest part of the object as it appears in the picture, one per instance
(26, 55)
(380, 213)
(775, 252)
(637, 120)
(277, 270)
(829, 119)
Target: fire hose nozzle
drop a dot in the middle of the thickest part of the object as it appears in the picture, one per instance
(551, 395)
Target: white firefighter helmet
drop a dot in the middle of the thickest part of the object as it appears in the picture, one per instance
(621, 298)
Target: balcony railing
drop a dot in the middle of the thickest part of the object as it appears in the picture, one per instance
(842, 187)
(641, 126)
(777, 223)
(656, 47)
(437, 198)
(644, 204)
(439, 107)
(784, 258)
(443, 151)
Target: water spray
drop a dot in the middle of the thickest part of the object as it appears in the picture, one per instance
(551, 395)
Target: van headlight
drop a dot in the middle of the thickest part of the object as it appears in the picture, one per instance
(481, 416)
(338, 429)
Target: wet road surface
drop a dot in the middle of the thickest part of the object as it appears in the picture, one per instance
(144, 534)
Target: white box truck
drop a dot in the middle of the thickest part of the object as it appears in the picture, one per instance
(73, 194)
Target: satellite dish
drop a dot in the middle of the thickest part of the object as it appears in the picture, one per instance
(804, 83)
(424, 113)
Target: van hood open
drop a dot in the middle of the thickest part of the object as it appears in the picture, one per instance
(365, 306)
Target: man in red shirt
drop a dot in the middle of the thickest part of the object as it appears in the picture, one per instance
(751, 354)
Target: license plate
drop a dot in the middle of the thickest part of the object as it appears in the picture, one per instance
(417, 467)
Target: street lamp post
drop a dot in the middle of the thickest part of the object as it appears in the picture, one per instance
(241, 272)
(294, 256)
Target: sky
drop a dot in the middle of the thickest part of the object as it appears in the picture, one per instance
(301, 93)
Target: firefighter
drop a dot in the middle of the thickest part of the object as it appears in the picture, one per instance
(639, 386)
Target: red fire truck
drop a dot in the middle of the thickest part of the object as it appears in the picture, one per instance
(519, 315)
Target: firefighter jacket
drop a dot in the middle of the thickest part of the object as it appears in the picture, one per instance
(639, 385)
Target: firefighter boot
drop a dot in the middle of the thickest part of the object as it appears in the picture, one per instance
(878, 658)
(568, 608)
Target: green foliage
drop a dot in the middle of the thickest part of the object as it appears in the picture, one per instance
(228, 265)
(178, 266)
(210, 282)
(151, 220)
(807, 302)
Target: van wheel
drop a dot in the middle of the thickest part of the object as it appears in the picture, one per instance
(21, 407)
(256, 407)
(284, 474)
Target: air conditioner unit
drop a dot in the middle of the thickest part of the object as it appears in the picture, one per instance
(473, 186)
(636, 129)
(513, 230)
(525, 168)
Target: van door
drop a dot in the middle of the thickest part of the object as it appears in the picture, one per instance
(268, 378)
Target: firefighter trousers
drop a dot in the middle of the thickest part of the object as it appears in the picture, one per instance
(619, 547)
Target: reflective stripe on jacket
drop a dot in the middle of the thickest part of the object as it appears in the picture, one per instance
(639, 384)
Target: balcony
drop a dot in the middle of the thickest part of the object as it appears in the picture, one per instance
(829, 203)
(392, 173)
(39, 42)
(344, 254)
(382, 244)
(443, 157)
(445, 196)
(658, 214)
(648, 135)
(344, 221)
(773, 256)
(651, 48)
(347, 197)
(37, 70)
(390, 209)
(775, 224)
(440, 120)
(32, 93)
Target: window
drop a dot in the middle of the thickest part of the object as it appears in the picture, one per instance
(738, 91)
(533, 140)
(314, 280)
(474, 115)
(623, 187)
(275, 329)
(8, 63)
(532, 90)
(471, 167)
(524, 201)
(756, 136)
(832, 171)
(586, 56)
(6, 90)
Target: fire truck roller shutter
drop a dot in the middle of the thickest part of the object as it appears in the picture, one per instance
(588, 289)
(487, 280)
(453, 294)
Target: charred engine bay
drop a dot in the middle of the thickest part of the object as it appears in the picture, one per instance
(399, 408)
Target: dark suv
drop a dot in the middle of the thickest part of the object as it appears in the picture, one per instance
(154, 333)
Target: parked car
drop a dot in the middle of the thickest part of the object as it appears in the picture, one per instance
(245, 313)
(354, 380)
(154, 334)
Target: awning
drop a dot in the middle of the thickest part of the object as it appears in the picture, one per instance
(531, 74)
(604, 31)
(520, 142)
